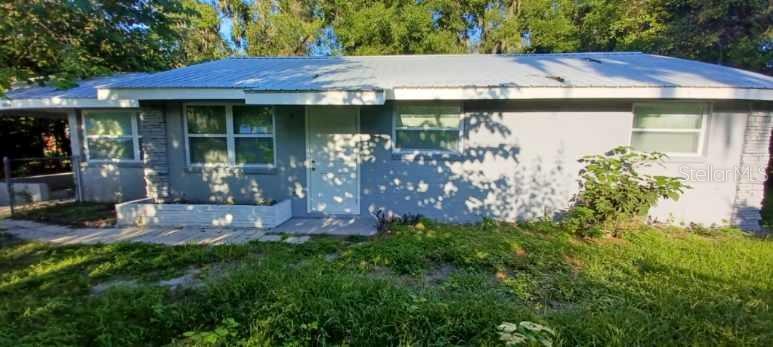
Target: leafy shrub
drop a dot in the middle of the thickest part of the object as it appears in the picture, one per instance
(384, 221)
(224, 332)
(525, 333)
(613, 191)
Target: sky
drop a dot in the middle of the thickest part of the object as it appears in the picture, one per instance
(225, 29)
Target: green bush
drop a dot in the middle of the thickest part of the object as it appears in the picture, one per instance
(613, 192)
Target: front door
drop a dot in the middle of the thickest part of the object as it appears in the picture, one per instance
(333, 160)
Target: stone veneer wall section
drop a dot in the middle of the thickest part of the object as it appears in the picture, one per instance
(750, 189)
(154, 149)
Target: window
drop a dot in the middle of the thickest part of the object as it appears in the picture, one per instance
(428, 128)
(672, 128)
(230, 135)
(111, 136)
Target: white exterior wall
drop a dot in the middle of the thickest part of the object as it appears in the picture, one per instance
(520, 162)
(547, 144)
(146, 213)
(551, 142)
(711, 176)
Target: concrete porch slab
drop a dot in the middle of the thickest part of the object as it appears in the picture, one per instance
(341, 226)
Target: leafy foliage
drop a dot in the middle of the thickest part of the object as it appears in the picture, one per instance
(613, 191)
(267, 27)
(385, 221)
(526, 333)
(732, 32)
(62, 41)
(218, 337)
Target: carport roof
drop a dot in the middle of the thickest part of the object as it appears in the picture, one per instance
(84, 94)
(85, 89)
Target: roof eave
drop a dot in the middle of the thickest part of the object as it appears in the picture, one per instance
(64, 103)
(521, 93)
(378, 97)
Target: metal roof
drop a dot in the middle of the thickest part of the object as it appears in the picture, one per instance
(619, 69)
(85, 89)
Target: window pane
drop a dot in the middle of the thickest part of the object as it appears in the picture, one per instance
(450, 121)
(669, 116)
(208, 150)
(429, 109)
(442, 140)
(250, 150)
(206, 119)
(108, 123)
(665, 142)
(110, 148)
(252, 120)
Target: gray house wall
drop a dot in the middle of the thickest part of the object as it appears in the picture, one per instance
(519, 161)
(235, 185)
(112, 183)
(109, 182)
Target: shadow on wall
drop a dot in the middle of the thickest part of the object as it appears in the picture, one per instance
(112, 182)
(487, 179)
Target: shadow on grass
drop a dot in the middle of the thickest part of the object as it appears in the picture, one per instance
(75, 214)
(444, 285)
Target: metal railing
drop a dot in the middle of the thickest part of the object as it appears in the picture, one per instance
(36, 172)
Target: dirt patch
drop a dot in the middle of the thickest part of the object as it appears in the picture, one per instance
(123, 283)
(439, 274)
(432, 277)
(190, 279)
(559, 306)
(609, 240)
(502, 276)
(576, 264)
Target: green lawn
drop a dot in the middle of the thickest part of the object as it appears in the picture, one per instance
(76, 214)
(443, 285)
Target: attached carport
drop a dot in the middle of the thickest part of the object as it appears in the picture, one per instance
(44, 102)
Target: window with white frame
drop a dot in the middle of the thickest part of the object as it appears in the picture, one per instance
(428, 128)
(111, 136)
(671, 128)
(239, 135)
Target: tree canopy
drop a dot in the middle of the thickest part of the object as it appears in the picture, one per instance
(61, 40)
(731, 32)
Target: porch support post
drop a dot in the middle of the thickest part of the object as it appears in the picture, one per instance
(75, 152)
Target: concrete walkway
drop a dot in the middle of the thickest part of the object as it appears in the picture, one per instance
(340, 226)
(29, 230)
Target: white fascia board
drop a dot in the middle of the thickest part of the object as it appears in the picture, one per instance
(56, 103)
(171, 94)
(332, 97)
(493, 93)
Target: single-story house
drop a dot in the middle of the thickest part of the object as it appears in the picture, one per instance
(452, 137)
